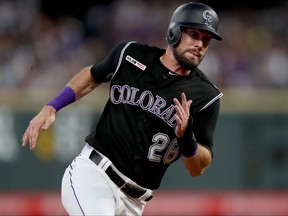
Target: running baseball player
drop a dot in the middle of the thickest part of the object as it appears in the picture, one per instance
(161, 108)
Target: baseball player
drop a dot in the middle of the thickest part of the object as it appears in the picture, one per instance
(161, 108)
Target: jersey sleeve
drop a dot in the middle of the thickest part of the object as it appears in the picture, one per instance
(205, 124)
(104, 70)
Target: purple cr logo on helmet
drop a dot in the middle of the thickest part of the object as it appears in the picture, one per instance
(207, 15)
(192, 15)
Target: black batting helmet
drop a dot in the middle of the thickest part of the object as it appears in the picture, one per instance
(194, 15)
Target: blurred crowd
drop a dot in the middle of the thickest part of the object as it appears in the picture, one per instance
(40, 51)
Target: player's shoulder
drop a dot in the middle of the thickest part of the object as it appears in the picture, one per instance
(135, 46)
(144, 52)
(206, 80)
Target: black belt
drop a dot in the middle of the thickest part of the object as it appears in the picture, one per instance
(127, 188)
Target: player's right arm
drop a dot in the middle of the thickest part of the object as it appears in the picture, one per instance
(81, 84)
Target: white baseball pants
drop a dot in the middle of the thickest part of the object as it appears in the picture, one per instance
(87, 190)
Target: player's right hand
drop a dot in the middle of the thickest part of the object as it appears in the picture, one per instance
(41, 121)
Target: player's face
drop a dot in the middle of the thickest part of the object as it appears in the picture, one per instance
(192, 48)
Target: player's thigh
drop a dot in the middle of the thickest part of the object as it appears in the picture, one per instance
(86, 191)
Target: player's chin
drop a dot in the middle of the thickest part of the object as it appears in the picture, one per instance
(192, 60)
(193, 63)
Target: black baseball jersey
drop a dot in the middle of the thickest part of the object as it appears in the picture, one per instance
(136, 128)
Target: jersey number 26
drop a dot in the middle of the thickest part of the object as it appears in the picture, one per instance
(161, 144)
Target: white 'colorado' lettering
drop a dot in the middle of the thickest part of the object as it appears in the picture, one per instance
(146, 100)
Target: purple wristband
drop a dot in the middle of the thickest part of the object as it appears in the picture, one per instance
(191, 155)
(65, 97)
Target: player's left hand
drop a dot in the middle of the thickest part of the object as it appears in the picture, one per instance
(182, 114)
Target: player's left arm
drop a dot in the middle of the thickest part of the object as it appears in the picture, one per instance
(197, 164)
(195, 136)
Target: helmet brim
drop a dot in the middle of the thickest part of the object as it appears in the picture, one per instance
(203, 27)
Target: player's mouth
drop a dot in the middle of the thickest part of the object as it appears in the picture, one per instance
(193, 54)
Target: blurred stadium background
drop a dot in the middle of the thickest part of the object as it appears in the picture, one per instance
(44, 43)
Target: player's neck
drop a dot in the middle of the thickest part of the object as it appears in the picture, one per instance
(170, 62)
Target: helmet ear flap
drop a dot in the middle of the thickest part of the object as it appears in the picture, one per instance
(173, 35)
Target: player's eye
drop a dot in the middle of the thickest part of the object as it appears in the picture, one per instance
(192, 34)
(198, 35)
